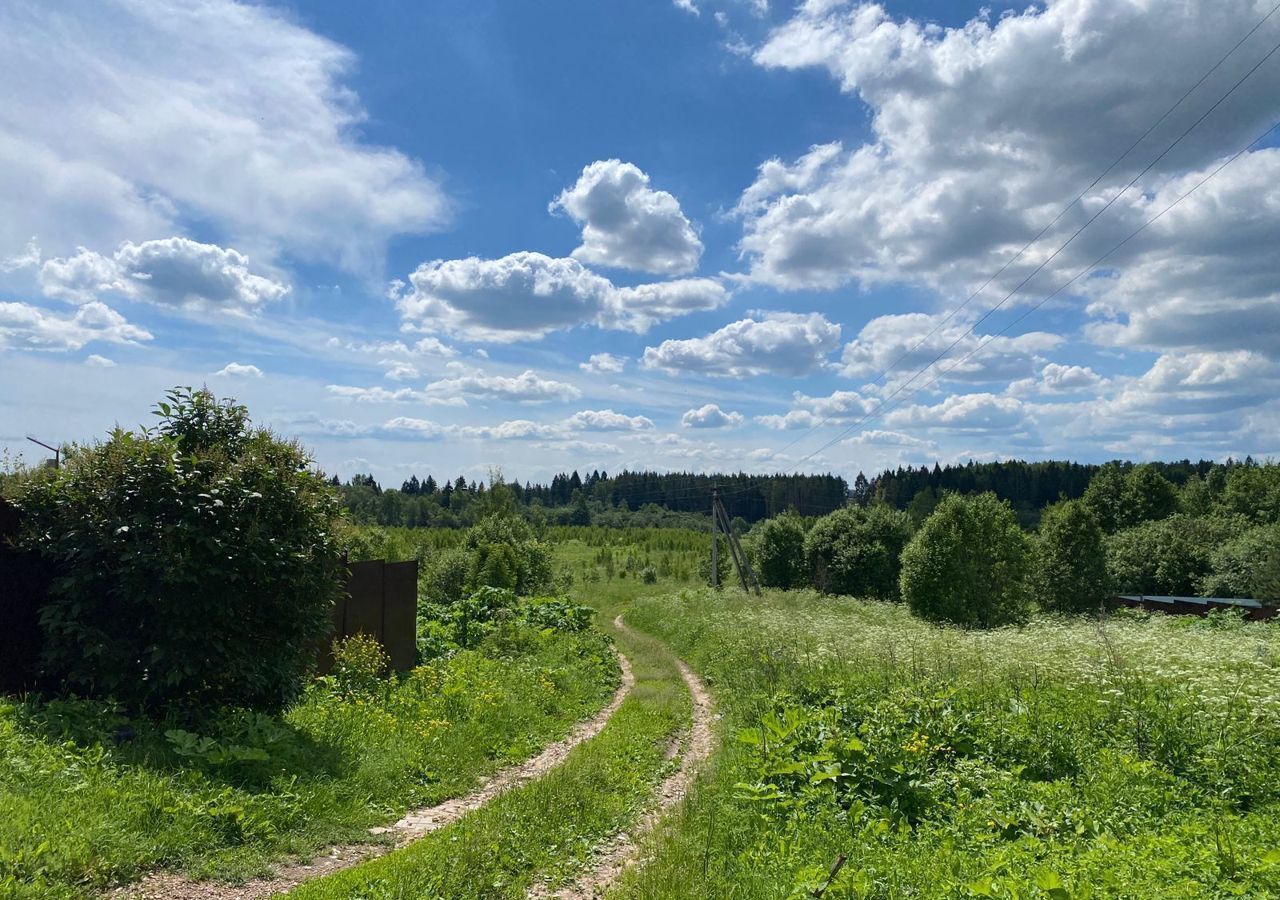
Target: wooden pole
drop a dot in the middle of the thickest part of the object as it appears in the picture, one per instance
(715, 539)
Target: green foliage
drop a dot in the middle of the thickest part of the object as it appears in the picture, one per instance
(1170, 556)
(505, 553)
(777, 550)
(1104, 497)
(359, 664)
(856, 551)
(1069, 566)
(1147, 496)
(1254, 491)
(197, 563)
(1245, 566)
(968, 564)
(82, 809)
(1128, 757)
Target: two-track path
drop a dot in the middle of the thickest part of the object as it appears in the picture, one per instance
(613, 858)
(414, 824)
(609, 861)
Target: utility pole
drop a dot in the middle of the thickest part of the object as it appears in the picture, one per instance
(57, 454)
(720, 521)
(715, 538)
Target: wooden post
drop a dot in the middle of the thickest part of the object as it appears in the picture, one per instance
(715, 538)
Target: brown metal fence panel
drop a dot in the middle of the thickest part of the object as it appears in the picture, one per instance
(400, 613)
(364, 601)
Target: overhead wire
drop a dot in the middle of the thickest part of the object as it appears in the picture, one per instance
(1070, 204)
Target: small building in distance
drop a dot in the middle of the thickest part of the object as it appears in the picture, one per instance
(1197, 606)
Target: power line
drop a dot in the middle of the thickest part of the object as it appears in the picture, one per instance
(885, 407)
(1062, 212)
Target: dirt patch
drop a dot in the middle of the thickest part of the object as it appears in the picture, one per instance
(615, 855)
(414, 824)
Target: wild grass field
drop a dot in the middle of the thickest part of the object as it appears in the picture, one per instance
(1130, 757)
(89, 798)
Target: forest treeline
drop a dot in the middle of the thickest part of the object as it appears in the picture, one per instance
(642, 499)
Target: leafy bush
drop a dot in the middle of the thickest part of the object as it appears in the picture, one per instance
(1171, 556)
(359, 663)
(649, 575)
(1121, 497)
(505, 553)
(466, 623)
(967, 564)
(197, 561)
(1245, 566)
(1069, 564)
(777, 549)
(856, 551)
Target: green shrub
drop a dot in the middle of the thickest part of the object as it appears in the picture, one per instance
(1245, 566)
(1069, 564)
(197, 562)
(359, 663)
(649, 575)
(523, 565)
(444, 576)
(1171, 556)
(857, 551)
(777, 547)
(967, 564)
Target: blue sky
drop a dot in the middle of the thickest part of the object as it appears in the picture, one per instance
(704, 235)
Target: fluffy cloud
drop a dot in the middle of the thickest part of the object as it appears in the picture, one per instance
(776, 343)
(399, 371)
(982, 132)
(1204, 276)
(527, 387)
(903, 344)
(100, 362)
(527, 295)
(627, 224)
(606, 420)
(965, 413)
(840, 406)
(710, 416)
(174, 271)
(260, 136)
(603, 363)
(379, 394)
(1059, 379)
(23, 326)
(239, 370)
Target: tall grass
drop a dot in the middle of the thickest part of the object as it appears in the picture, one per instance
(1123, 758)
(88, 798)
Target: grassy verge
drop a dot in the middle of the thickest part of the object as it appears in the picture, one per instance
(88, 798)
(547, 828)
(1061, 760)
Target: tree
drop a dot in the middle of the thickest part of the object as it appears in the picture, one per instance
(856, 551)
(1105, 497)
(779, 551)
(1069, 563)
(1169, 556)
(968, 564)
(1246, 566)
(529, 557)
(1147, 496)
(198, 561)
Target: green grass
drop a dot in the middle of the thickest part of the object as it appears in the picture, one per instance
(1061, 760)
(79, 811)
(545, 829)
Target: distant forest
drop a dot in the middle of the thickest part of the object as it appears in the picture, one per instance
(629, 498)
(1028, 486)
(683, 498)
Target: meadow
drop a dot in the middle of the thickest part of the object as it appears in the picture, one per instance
(1128, 757)
(89, 797)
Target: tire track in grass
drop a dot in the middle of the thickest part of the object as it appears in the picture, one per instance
(548, 827)
(413, 825)
(616, 855)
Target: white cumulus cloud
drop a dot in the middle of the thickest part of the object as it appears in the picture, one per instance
(174, 271)
(239, 370)
(27, 327)
(775, 343)
(121, 118)
(710, 415)
(526, 295)
(627, 224)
